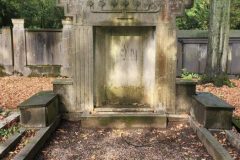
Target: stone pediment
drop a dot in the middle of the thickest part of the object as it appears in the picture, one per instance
(141, 11)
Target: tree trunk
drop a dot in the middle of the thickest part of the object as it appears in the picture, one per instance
(218, 45)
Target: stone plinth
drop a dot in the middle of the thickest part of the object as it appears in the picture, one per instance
(40, 110)
(65, 89)
(212, 112)
(185, 89)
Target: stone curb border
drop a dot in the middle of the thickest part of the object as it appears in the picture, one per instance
(37, 142)
(10, 143)
(235, 141)
(14, 116)
(214, 148)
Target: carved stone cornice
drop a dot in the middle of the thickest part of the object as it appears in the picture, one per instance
(178, 6)
(83, 8)
(127, 6)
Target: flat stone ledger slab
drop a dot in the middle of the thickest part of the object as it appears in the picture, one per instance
(40, 110)
(212, 112)
(123, 52)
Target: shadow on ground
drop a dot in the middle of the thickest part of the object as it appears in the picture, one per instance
(71, 142)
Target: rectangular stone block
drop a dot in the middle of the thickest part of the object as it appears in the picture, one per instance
(40, 110)
(126, 120)
(65, 90)
(185, 89)
(212, 112)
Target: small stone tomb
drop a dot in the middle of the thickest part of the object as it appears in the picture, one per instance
(212, 112)
(40, 110)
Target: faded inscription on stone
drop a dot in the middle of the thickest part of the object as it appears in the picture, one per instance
(126, 61)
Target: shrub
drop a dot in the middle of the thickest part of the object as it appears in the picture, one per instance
(218, 81)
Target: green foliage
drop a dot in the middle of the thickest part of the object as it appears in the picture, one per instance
(189, 75)
(9, 131)
(37, 13)
(218, 81)
(235, 14)
(41, 14)
(4, 113)
(9, 9)
(45, 14)
(198, 16)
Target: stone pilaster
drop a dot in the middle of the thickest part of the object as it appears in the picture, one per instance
(166, 60)
(67, 53)
(19, 46)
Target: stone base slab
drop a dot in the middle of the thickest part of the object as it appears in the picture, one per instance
(125, 121)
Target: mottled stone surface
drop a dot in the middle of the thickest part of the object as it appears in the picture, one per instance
(19, 45)
(110, 55)
(40, 110)
(185, 89)
(125, 121)
(212, 112)
(64, 88)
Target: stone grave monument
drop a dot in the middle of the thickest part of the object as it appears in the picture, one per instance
(122, 56)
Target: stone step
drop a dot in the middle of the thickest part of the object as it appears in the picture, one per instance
(125, 120)
(123, 110)
(123, 113)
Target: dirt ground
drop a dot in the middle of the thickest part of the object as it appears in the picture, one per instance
(230, 95)
(14, 90)
(222, 139)
(71, 142)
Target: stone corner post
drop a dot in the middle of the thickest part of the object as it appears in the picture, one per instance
(19, 46)
(67, 52)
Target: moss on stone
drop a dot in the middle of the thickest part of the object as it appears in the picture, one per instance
(128, 120)
(124, 95)
(45, 70)
(2, 71)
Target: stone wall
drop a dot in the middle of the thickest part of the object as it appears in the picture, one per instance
(6, 52)
(44, 52)
(192, 51)
(43, 47)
